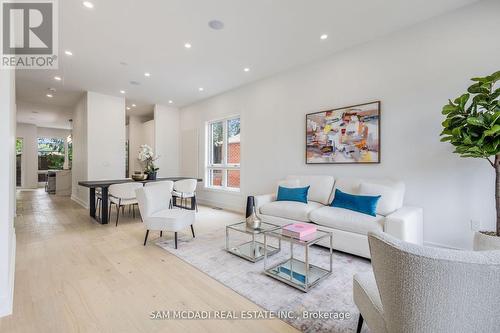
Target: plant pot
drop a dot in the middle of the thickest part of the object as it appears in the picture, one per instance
(152, 176)
(484, 242)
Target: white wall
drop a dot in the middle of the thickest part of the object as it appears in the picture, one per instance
(79, 170)
(7, 190)
(140, 132)
(29, 159)
(47, 115)
(134, 143)
(413, 73)
(98, 141)
(167, 122)
(148, 133)
(105, 136)
(45, 132)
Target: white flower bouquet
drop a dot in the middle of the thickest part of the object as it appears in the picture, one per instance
(147, 156)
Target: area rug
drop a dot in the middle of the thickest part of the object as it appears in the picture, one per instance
(334, 295)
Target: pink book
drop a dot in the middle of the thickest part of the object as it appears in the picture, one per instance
(298, 230)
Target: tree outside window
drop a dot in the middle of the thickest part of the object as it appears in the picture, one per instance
(50, 153)
(223, 169)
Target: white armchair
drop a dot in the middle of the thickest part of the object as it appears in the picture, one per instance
(417, 289)
(154, 204)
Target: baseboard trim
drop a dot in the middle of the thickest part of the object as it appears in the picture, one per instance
(222, 205)
(442, 246)
(7, 303)
(80, 202)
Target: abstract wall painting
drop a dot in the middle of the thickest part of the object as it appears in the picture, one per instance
(345, 135)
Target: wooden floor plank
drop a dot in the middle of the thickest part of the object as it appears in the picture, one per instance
(74, 275)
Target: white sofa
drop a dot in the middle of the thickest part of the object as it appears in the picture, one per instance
(349, 228)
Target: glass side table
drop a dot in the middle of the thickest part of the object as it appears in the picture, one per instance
(300, 274)
(253, 249)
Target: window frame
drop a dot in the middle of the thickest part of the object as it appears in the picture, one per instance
(224, 166)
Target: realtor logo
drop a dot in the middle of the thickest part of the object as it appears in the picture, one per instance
(29, 34)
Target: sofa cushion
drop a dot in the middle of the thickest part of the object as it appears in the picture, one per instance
(388, 202)
(321, 187)
(292, 210)
(365, 204)
(353, 185)
(347, 220)
(298, 194)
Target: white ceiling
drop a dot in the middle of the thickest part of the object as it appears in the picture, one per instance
(268, 36)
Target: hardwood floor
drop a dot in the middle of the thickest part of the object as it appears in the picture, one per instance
(74, 275)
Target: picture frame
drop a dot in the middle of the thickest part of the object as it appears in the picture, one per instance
(346, 135)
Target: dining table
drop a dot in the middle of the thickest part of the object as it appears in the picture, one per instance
(104, 185)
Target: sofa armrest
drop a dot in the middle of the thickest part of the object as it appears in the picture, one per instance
(407, 224)
(261, 200)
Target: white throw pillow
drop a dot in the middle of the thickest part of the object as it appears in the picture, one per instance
(388, 202)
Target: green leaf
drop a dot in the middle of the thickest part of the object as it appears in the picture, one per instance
(492, 131)
(479, 79)
(462, 100)
(477, 88)
(475, 121)
(495, 118)
(449, 108)
(446, 138)
(495, 77)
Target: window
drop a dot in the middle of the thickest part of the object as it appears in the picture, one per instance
(50, 153)
(223, 168)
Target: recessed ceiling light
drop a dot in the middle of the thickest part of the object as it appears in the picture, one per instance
(323, 36)
(170, 101)
(122, 91)
(187, 45)
(147, 74)
(69, 53)
(50, 95)
(128, 108)
(57, 78)
(88, 4)
(133, 105)
(201, 89)
(216, 25)
(246, 69)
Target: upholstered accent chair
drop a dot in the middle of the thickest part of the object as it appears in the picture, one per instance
(154, 205)
(422, 289)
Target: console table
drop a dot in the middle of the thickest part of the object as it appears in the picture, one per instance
(104, 186)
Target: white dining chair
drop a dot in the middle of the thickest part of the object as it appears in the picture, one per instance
(156, 214)
(122, 195)
(185, 189)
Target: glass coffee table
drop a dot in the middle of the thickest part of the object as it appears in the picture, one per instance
(300, 274)
(251, 249)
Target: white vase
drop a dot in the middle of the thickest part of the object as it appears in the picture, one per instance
(483, 242)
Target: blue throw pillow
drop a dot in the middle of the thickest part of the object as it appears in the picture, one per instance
(365, 204)
(292, 194)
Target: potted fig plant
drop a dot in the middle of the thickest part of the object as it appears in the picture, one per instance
(472, 126)
(147, 157)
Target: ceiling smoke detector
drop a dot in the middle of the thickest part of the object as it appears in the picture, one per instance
(216, 25)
